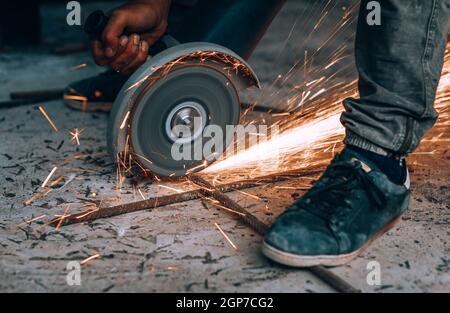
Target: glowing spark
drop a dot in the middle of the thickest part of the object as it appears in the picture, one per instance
(75, 98)
(249, 195)
(321, 91)
(296, 139)
(281, 114)
(63, 217)
(231, 65)
(170, 188)
(323, 16)
(47, 117)
(49, 176)
(311, 83)
(226, 236)
(217, 204)
(138, 83)
(142, 195)
(79, 66)
(287, 188)
(309, 138)
(157, 178)
(45, 191)
(56, 181)
(194, 169)
(124, 122)
(89, 212)
(333, 63)
(85, 261)
(76, 135)
(142, 157)
(32, 220)
(305, 65)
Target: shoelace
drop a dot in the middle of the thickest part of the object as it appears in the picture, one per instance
(325, 201)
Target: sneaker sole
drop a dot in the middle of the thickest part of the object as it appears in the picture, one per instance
(294, 260)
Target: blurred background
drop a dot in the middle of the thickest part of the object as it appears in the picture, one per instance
(43, 22)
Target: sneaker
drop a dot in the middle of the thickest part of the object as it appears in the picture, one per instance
(351, 205)
(96, 93)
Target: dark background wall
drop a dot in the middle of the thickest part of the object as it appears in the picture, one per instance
(33, 22)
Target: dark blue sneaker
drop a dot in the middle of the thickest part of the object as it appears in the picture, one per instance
(96, 93)
(351, 205)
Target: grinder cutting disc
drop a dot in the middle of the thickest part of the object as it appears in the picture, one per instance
(159, 101)
(192, 97)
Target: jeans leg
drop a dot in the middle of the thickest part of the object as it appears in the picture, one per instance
(399, 64)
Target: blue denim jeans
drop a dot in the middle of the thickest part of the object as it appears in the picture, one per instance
(399, 64)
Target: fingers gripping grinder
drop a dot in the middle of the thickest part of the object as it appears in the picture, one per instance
(192, 85)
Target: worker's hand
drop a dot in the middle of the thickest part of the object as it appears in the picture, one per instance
(126, 53)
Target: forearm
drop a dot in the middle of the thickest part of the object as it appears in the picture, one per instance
(163, 6)
(157, 12)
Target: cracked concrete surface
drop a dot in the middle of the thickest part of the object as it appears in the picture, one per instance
(175, 248)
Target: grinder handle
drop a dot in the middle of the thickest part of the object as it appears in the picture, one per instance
(96, 23)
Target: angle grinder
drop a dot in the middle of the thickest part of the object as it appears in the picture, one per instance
(192, 85)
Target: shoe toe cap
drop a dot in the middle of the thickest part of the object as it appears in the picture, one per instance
(302, 233)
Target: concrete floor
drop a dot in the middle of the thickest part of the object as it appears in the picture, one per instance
(177, 248)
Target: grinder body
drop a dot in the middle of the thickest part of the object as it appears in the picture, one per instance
(183, 83)
(199, 81)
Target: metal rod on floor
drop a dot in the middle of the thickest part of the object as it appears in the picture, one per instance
(153, 203)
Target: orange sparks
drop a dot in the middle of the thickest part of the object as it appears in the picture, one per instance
(231, 65)
(56, 181)
(79, 66)
(249, 195)
(32, 220)
(49, 176)
(44, 191)
(88, 212)
(63, 217)
(142, 195)
(75, 135)
(170, 188)
(81, 99)
(197, 168)
(312, 134)
(285, 188)
(281, 114)
(124, 122)
(225, 236)
(47, 117)
(89, 259)
(321, 91)
(225, 208)
(138, 83)
(75, 98)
